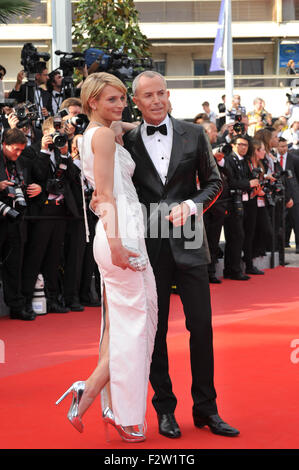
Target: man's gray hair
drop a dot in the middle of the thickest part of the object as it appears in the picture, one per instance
(149, 74)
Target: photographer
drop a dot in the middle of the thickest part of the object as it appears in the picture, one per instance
(24, 92)
(12, 208)
(44, 249)
(23, 118)
(290, 161)
(240, 183)
(71, 121)
(54, 87)
(214, 217)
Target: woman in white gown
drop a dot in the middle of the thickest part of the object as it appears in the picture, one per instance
(129, 313)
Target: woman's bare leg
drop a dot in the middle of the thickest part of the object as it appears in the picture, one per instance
(100, 376)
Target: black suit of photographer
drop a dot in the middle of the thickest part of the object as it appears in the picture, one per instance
(12, 236)
(238, 178)
(44, 249)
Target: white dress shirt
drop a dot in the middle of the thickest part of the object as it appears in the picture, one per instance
(159, 148)
(56, 101)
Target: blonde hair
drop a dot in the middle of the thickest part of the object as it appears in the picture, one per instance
(48, 124)
(94, 85)
(70, 102)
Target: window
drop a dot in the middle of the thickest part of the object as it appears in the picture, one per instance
(160, 66)
(241, 67)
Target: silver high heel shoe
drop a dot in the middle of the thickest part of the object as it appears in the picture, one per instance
(77, 389)
(134, 436)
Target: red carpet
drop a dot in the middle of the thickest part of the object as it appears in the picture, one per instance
(256, 372)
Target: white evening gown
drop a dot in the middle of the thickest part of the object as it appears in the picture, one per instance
(131, 296)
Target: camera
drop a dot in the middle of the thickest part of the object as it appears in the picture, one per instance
(55, 186)
(9, 212)
(16, 192)
(80, 122)
(69, 61)
(236, 195)
(59, 140)
(30, 58)
(26, 114)
(239, 127)
(117, 63)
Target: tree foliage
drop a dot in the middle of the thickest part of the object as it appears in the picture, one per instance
(10, 8)
(109, 24)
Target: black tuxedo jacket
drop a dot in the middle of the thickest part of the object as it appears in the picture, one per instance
(192, 166)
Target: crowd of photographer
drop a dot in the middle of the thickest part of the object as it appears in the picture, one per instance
(41, 199)
(258, 158)
(42, 190)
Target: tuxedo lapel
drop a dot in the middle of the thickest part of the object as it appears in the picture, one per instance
(177, 149)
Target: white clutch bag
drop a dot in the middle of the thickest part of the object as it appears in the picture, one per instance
(139, 262)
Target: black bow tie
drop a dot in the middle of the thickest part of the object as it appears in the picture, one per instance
(58, 94)
(152, 129)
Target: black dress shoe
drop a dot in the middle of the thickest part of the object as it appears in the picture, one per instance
(55, 307)
(216, 425)
(239, 277)
(22, 315)
(168, 426)
(254, 270)
(214, 280)
(75, 306)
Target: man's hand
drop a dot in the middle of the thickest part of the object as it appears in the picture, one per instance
(19, 81)
(45, 112)
(4, 184)
(12, 121)
(290, 203)
(179, 214)
(46, 141)
(33, 190)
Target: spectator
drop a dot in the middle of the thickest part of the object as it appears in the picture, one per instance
(259, 117)
(200, 118)
(236, 109)
(292, 134)
(221, 117)
(211, 115)
(291, 70)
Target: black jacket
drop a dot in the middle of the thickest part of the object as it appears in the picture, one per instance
(192, 164)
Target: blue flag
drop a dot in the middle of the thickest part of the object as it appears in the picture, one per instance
(217, 62)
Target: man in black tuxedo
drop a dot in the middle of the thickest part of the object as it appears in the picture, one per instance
(167, 164)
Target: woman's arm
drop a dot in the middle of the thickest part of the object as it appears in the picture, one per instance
(103, 147)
